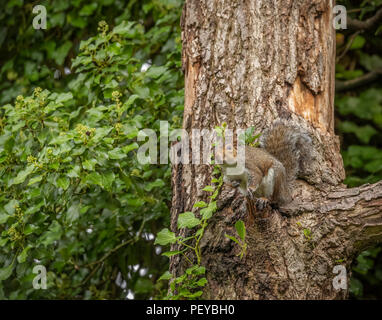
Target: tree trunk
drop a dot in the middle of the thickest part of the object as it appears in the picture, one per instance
(248, 63)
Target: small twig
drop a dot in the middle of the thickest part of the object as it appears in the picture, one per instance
(118, 247)
(348, 46)
(355, 10)
(355, 83)
(354, 24)
(98, 263)
(89, 276)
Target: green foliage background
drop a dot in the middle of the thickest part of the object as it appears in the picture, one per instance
(359, 124)
(72, 195)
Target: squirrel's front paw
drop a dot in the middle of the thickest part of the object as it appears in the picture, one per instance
(262, 203)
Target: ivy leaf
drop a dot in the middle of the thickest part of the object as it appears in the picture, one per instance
(209, 211)
(165, 237)
(200, 204)
(200, 270)
(219, 131)
(169, 254)
(209, 189)
(187, 220)
(240, 229)
(202, 282)
(195, 295)
(232, 238)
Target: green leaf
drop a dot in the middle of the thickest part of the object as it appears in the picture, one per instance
(195, 295)
(89, 164)
(158, 183)
(6, 272)
(117, 154)
(356, 287)
(94, 178)
(166, 276)
(88, 9)
(3, 241)
(240, 229)
(155, 72)
(209, 189)
(200, 270)
(74, 172)
(4, 217)
(209, 211)
(143, 285)
(130, 147)
(202, 282)
(73, 213)
(35, 180)
(53, 234)
(358, 43)
(219, 131)
(192, 269)
(364, 133)
(127, 29)
(30, 228)
(187, 220)
(63, 97)
(232, 238)
(63, 182)
(165, 237)
(142, 92)
(169, 254)
(107, 180)
(23, 255)
(60, 53)
(200, 204)
(22, 175)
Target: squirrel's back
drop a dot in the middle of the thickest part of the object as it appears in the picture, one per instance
(288, 144)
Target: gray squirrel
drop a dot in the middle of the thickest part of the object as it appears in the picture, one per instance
(270, 170)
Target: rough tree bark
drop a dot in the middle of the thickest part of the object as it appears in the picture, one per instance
(248, 63)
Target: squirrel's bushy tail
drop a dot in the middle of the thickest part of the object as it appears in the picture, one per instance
(288, 144)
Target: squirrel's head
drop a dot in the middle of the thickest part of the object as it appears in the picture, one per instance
(225, 156)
